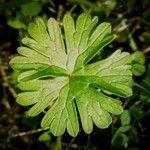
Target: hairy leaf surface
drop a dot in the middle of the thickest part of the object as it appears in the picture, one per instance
(56, 76)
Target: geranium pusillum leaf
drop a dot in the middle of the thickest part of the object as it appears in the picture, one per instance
(55, 75)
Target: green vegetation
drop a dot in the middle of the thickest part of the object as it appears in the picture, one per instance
(74, 73)
(71, 83)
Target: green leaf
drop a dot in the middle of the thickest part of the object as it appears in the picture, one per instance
(138, 57)
(44, 137)
(138, 60)
(120, 141)
(56, 77)
(125, 118)
(95, 107)
(123, 129)
(132, 42)
(31, 8)
(138, 69)
(63, 114)
(16, 23)
(144, 86)
(119, 138)
(113, 73)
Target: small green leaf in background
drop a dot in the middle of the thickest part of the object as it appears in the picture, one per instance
(138, 60)
(56, 76)
(145, 87)
(124, 128)
(31, 8)
(132, 42)
(45, 137)
(16, 23)
(138, 69)
(138, 57)
(125, 118)
(120, 141)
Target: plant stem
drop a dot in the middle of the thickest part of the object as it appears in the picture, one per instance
(28, 132)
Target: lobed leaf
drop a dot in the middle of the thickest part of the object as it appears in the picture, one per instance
(56, 77)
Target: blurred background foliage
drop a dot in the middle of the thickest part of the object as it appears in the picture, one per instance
(130, 20)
